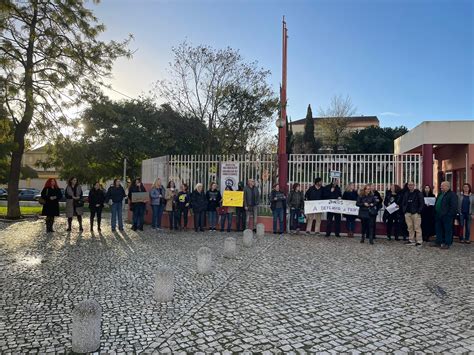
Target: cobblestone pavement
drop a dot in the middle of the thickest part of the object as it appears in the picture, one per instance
(293, 294)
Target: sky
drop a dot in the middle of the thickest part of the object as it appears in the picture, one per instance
(405, 61)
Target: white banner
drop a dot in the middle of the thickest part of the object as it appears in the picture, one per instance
(335, 206)
(229, 175)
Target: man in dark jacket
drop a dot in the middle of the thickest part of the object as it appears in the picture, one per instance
(314, 193)
(137, 207)
(333, 192)
(446, 207)
(412, 205)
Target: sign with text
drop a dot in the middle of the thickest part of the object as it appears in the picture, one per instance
(229, 175)
(334, 206)
(334, 174)
(233, 198)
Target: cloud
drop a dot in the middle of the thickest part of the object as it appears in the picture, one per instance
(388, 113)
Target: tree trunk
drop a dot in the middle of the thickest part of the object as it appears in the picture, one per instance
(13, 209)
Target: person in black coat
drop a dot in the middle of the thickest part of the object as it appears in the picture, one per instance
(333, 192)
(278, 207)
(50, 196)
(446, 208)
(393, 220)
(403, 224)
(96, 204)
(199, 206)
(240, 212)
(367, 204)
(428, 216)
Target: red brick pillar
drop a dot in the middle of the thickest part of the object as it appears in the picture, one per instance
(427, 153)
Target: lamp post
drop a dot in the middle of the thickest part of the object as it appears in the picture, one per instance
(281, 121)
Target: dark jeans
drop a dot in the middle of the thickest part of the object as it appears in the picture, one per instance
(199, 220)
(337, 219)
(173, 223)
(368, 228)
(184, 213)
(117, 215)
(393, 224)
(138, 214)
(156, 216)
(212, 219)
(277, 217)
(96, 211)
(228, 217)
(294, 214)
(465, 222)
(350, 223)
(241, 217)
(444, 230)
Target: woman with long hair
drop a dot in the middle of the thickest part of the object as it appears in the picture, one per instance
(170, 207)
(96, 204)
(296, 204)
(74, 202)
(368, 212)
(393, 220)
(138, 207)
(466, 209)
(50, 196)
(157, 201)
(199, 206)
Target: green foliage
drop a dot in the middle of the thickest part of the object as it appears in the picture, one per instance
(309, 140)
(217, 87)
(373, 140)
(51, 60)
(134, 130)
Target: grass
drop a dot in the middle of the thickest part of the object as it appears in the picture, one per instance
(23, 210)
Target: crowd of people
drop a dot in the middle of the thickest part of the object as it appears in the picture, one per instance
(412, 220)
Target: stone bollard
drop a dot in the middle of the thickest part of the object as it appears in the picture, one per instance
(86, 320)
(248, 238)
(204, 261)
(260, 230)
(164, 285)
(230, 247)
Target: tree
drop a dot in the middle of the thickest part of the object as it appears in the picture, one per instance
(309, 141)
(334, 125)
(373, 140)
(131, 129)
(217, 86)
(51, 60)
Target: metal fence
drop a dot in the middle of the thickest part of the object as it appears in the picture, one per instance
(379, 169)
(193, 169)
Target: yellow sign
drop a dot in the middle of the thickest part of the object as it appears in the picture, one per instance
(233, 199)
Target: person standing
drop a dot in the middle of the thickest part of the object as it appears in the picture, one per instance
(392, 220)
(157, 202)
(227, 216)
(251, 202)
(333, 192)
(96, 204)
(51, 194)
(314, 193)
(240, 211)
(367, 212)
(74, 203)
(183, 201)
(116, 193)
(278, 207)
(170, 207)
(412, 205)
(350, 194)
(446, 208)
(465, 208)
(428, 216)
(214, 199)
(379, 205)
(403, 224)
(137, 207)
(199, 206)
(296, 204)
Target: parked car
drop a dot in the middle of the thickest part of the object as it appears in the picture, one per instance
(27, 194)
(3, 194)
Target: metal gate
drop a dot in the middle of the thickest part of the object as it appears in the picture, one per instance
(379, 169)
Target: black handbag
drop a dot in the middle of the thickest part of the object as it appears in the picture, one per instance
(79, 203)
(373, 211)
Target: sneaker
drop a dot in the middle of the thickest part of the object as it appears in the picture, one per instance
(444, 246)
(418, 244)
(409, 243)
